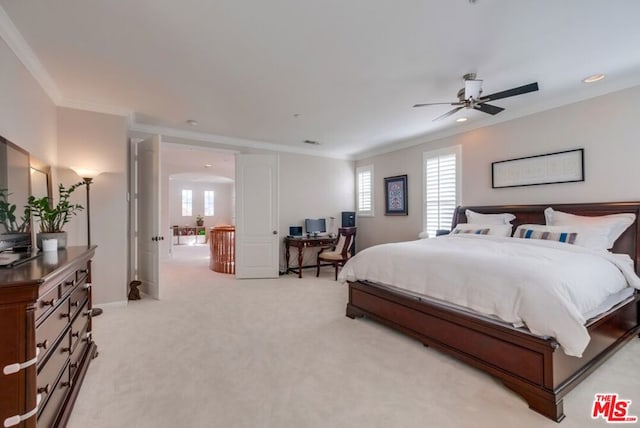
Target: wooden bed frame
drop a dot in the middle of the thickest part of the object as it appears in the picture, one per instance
(535, 368)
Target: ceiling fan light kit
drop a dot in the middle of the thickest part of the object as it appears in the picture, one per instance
(471, 97)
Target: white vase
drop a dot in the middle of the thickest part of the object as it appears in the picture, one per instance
(61, 237)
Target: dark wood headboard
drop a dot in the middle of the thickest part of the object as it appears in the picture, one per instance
(627, 243)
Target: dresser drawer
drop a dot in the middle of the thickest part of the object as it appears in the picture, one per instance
(67, 284)
(82, 345)
(46, 302)
(51, 329)
(82, 273)
(80, 326)
(49, 371)
(78, 297)
(49, 410)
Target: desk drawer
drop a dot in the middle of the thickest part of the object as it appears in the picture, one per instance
(51, 328)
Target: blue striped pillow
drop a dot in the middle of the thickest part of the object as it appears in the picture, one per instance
(567, 237)
(473, 231)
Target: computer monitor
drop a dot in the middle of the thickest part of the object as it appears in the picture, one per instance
(315, 226)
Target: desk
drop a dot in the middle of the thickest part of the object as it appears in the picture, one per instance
(301, 243)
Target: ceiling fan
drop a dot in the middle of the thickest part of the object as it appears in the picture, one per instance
(471, 97)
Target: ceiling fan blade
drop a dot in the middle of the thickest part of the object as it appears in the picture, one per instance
(488, 108)
(438, 104)
(449, 113)
(531, 87)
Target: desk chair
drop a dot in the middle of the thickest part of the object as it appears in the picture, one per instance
(340, 252)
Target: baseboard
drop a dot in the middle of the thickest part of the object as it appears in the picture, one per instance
(119, 304)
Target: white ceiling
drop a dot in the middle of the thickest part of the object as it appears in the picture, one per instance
(351, 70)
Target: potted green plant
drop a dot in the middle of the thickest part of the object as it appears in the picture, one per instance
(8, 215)
(199, 220)
(53, 217)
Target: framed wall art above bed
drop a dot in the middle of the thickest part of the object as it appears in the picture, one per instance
(395, 195)
(560, 167)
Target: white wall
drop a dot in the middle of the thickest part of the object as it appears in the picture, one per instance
(222, 203)
(27, 114)
(313, 187)
(98, 141)
(603, 126)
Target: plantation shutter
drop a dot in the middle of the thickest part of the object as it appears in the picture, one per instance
(441, 198)
(364, 177)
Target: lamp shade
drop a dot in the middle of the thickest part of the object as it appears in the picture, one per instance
(85, 172)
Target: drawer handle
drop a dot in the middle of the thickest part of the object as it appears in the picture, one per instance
(51, 302)
(73, 365)
(43, 345)
(75, 304)
(84, 271)
(69, 283)
(63, 315)
(69, 384)
(15, 420)
(16, 367)
(44, 389)
(76, 334)
(67, 349)
(87, 313)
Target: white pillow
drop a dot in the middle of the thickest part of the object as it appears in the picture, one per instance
(474, 217)
(594, 237)
(614, 224)
(494, 229)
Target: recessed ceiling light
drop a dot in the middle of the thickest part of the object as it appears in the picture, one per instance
(594, 78)
(192, 122)
(207, 165)
(461, 119)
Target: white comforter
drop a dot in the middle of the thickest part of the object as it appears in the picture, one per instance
(546, 285)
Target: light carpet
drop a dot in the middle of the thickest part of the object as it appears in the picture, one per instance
(220, 352)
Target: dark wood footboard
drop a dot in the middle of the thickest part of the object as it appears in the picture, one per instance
(535, 368)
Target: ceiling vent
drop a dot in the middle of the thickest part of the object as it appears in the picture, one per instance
(313, 143)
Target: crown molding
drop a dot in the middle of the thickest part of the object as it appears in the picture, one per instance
(10, 34)
(97, 108)
(231, 141)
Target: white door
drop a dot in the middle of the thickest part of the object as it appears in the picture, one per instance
(148, 215)
(257, 239)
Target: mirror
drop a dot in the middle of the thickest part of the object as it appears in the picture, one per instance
(15, 226)
(40, 179)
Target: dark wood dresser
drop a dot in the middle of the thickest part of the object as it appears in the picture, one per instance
(45, 337)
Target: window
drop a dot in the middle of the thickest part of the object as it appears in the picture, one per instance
(187, 203)
(441, 188)
(364, 190)
(208, 203)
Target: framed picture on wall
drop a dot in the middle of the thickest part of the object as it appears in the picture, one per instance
(395, 195)
(559, 167)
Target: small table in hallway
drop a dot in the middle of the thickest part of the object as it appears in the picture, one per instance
(301, 243)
